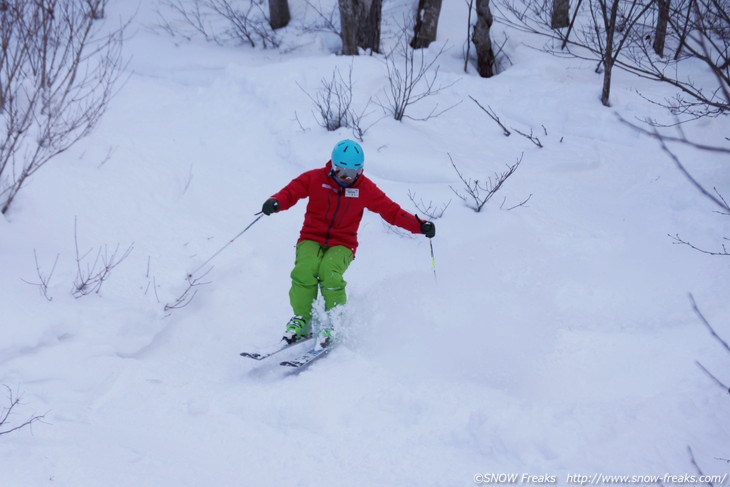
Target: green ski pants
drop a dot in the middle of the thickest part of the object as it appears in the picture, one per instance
(318, 267)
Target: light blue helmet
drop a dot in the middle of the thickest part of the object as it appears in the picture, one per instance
(348, 154)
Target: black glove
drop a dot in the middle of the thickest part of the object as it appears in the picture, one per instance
(428, 229)
(271, 206)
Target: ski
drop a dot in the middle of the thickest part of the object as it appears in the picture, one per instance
(307, 358)
(280, 347)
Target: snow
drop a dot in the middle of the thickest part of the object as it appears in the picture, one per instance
(555, 338)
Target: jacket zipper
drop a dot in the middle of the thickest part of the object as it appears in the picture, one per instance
(334, 217)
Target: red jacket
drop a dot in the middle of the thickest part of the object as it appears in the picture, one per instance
(334, 213)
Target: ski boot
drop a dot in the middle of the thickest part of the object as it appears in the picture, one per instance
(295, 330)
(324, 338)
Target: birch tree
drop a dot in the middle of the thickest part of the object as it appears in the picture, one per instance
(660, 33)
(360, 25)
(279, 15)
(560, 16)
(482, 41)
(427, 19)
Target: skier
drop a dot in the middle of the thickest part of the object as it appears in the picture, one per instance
(338, 193)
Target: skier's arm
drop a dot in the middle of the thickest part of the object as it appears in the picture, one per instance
(395, 215)
(297, 189)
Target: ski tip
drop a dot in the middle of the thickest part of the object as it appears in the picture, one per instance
(255, 356)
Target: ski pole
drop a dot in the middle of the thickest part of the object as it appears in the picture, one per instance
(260, 214)
(433, 260)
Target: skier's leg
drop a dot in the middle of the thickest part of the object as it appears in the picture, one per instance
(304, 280)
(334, 264)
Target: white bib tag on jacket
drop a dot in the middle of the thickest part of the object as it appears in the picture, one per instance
(352, 192)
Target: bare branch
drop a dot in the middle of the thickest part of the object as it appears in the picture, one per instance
(218, 21)
(617, 36)
(429, 210)
(7, 411)
(59, 73)
(532, 138)
(715, 336)
(91, 276)
(681, 138)
(518, 205)
(697, 467)
(492, 115)
(678, 240)
(475, 191)
(707, 324)
(411, 79)
(720, 202)
(190, 291)
(44, 280)
(333, 102)
(714, 379)
(327, 21)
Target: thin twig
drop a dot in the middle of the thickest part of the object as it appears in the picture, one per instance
(712, 376)
(412, 82)
(190, 292)
(429, 211)
(532, 137)
(714, 335)
(697, 467)
(44, 280)
(91, 279)
(679, 240)
(518, 205)
(476, 190)
(493, 116)
(13, 402)
(707, 324)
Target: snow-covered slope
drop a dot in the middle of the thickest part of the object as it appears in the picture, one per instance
(556, 338)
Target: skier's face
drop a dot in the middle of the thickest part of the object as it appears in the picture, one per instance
(347, 176)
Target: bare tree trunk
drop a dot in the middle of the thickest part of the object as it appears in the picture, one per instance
(661, 26)
(348, 27)
(608, 54)
(360, 25)
(368, 32)
(279, 15)
(427, 20)
(616, 36)
(560, 16)
(482, 41)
